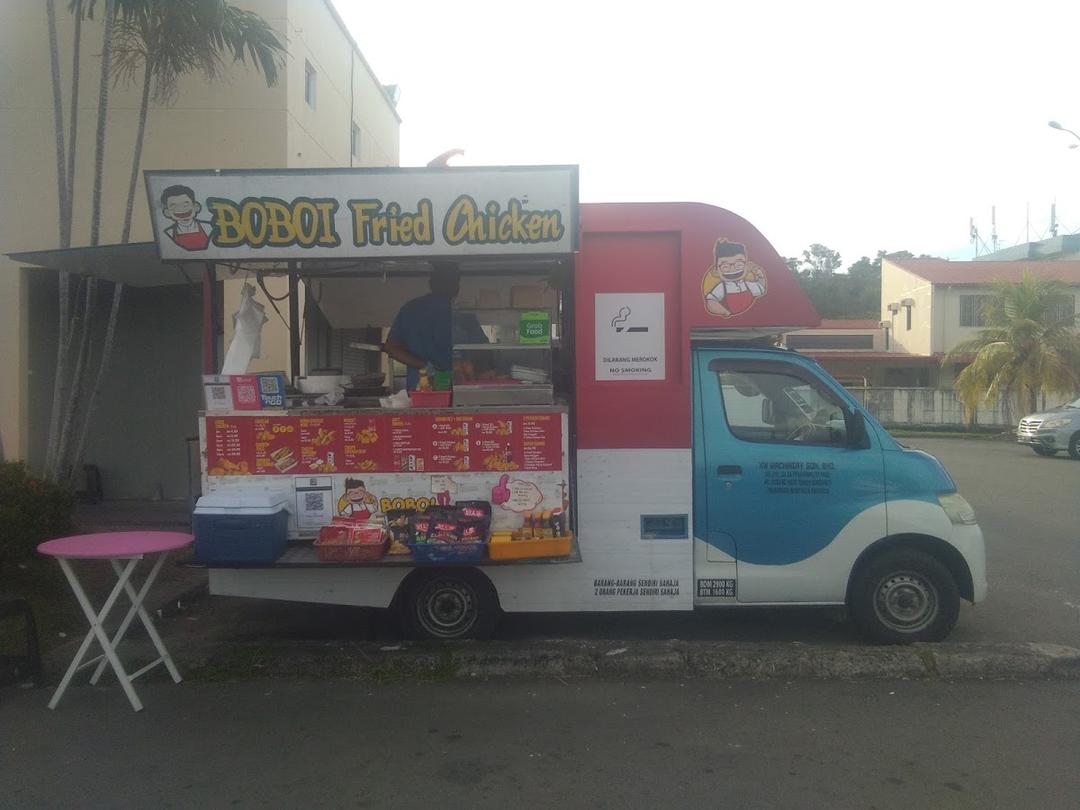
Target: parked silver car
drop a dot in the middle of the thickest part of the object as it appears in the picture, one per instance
(1051, 432)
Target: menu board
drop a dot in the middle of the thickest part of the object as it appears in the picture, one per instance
(409, 443)
(322, 443)
(541, 441)
(365, 443)
(229, 446)
(449, 439)
(265, 444)
(277, 444)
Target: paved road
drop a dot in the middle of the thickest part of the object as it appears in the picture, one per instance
(1029, 509)
(591, 744)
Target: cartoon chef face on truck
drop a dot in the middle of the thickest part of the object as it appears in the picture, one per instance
(179, 205)
(732, 283)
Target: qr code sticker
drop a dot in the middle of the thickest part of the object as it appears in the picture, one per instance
(218, 393)
(314, 501)
(246, 394)
(269, 385)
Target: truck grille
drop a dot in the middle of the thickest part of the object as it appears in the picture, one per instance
(1029, 425)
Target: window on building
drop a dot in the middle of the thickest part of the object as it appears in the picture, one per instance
(355, 140)
(908, 309)
(971, 310)
(1064, 311)
(310, 77)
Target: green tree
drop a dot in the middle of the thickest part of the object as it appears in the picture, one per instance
(819, 261)
(1029, 348)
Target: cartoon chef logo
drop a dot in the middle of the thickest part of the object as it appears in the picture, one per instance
(178, 204)
(356, 501)
(732, 283)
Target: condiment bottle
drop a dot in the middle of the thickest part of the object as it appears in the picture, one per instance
(558, 523)
(425, 383)
(545, 525)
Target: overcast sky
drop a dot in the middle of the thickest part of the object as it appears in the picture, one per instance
(863, 126)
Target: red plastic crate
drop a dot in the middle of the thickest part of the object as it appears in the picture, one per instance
(430, 399)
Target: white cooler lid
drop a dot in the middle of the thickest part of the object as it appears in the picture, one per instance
(246, 503)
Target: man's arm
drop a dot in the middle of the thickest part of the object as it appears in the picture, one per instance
(398, 351)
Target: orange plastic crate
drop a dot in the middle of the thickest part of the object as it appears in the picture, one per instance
(531, 549)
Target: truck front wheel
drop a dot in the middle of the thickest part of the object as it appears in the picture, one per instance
(904, 595)
(449, 604)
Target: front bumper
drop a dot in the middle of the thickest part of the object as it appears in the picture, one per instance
(1041, 439)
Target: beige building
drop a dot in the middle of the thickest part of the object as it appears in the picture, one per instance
(932, 305)
(327, 109)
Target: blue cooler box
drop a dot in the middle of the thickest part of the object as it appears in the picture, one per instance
(240, 528)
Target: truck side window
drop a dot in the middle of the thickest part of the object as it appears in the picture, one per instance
(778, 408)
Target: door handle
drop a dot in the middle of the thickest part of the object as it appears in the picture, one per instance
(729, 469)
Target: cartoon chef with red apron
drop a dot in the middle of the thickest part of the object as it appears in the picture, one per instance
(178, 204)
(732, 283)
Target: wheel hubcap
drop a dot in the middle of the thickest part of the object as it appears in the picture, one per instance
(906, 602)
(447, 608)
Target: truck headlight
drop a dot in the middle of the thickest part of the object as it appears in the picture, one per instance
(1054, 424)
(957, 508)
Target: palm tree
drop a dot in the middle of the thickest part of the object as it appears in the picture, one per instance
(160, 42)
(166, 38)
(1030, 347)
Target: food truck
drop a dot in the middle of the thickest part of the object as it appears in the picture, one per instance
(617, 414)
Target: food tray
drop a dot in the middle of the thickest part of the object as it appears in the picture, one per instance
(447, 552)
(350, 552)
(530, 549)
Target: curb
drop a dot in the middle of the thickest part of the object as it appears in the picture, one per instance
(608, 659)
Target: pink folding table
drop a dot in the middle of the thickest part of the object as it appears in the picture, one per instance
(123, 550)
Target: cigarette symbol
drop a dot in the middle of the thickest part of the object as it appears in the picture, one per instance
(619, 321)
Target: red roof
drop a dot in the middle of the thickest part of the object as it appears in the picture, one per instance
(830, 323)
(825, 355)
(942, 271)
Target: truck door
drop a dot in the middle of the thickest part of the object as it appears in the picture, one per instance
(784, 486)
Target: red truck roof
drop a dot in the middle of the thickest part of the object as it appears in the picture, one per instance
(707, 269)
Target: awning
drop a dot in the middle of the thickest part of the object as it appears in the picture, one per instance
(136, 264)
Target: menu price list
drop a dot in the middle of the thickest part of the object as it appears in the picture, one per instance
(399, 442)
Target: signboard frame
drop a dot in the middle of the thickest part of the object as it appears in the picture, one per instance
(532, 206)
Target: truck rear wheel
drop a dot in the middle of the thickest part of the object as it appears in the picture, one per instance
(449, 604)
(904, 595)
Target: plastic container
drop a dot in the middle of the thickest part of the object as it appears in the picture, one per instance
(430, 399)
(240, 528)
(501, 549)
(447, 552)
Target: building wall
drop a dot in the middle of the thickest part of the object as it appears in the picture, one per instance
(236, 122)
(346, 91)
(896, 285)
(948, 332)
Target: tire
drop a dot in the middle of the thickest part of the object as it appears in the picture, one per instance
(1043, 451)
(450, 604)
(903, 595)
(1074, 446)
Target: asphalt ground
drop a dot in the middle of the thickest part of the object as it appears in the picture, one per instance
(592, 744)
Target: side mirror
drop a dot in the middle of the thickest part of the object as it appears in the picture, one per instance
(767, 412)
(857, 437)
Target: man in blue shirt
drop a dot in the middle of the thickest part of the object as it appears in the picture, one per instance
(422, 331)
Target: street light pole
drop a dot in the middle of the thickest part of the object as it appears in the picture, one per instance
(1059, 127)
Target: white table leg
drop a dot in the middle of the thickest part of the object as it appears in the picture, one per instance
(137, 608)
(97, 631)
